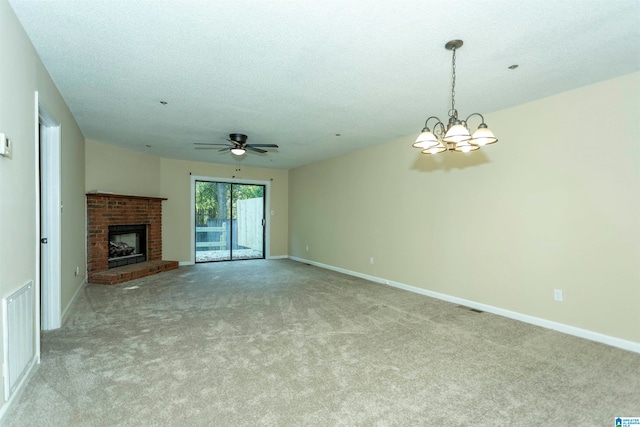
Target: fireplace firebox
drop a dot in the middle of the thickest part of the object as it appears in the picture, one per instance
(127, 244)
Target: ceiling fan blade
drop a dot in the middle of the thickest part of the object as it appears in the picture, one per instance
(257, 150)
(208, 143)
(211, 148)
(263, 145)
(234, 142)
(225, 149)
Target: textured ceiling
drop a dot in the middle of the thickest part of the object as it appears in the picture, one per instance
(298, 73)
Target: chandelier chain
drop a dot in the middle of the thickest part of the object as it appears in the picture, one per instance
(453, 84)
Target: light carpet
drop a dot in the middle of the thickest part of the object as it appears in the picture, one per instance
(279, 343)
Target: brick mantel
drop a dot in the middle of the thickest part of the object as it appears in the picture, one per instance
(124, 196)
(105, 209)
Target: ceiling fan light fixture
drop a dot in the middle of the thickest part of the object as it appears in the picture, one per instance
(237, 145)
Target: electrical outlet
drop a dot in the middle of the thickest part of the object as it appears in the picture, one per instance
(557, 294)
(371, 260)
(77, 273)
(307, 248)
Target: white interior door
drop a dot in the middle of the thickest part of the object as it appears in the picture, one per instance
(50, 221)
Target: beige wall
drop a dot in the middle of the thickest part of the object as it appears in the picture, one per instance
(115, 169)
(141, 174)
(176, 214)
(554, 204)
(21, 75)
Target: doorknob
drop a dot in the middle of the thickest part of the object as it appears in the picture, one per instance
(44, 240)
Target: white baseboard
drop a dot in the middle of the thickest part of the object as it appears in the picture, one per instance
(73, 299)
(6, 407)
(548, 324)
(183, 263)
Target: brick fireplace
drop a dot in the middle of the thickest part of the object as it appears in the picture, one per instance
(105, 210)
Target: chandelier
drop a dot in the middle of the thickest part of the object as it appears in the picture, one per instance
(454, 136)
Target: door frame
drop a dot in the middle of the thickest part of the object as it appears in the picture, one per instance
(267, 203)
(48, 211)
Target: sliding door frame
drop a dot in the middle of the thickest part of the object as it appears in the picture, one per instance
(267, 212)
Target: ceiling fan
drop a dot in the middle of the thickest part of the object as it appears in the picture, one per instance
(238, 145)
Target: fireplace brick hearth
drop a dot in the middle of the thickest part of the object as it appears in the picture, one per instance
(104, 210)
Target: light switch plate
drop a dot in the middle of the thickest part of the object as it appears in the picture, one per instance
(6, 146)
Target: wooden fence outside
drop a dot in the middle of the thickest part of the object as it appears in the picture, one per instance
(213, 233)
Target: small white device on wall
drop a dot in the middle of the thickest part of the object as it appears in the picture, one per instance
(6, 146)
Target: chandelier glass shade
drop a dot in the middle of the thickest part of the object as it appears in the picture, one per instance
(455, 135)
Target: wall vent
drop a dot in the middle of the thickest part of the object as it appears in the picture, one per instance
(19, 336)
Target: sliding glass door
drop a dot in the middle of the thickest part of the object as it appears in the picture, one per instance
(249, 221)
(230, 221)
